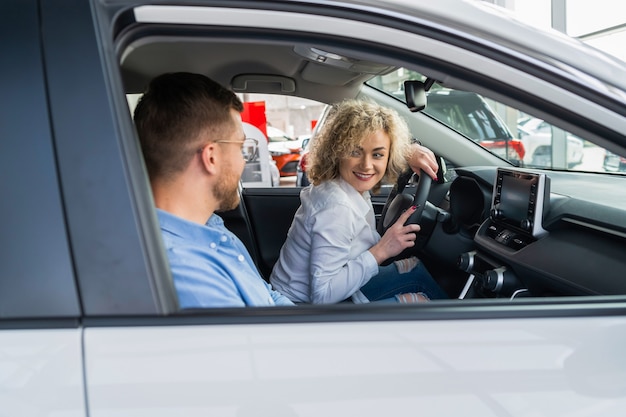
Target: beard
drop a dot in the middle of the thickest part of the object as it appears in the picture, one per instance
(227, 191)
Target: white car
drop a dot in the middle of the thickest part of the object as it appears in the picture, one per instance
(532, 259)
(283, 145)
(539, 146)
(285, 150)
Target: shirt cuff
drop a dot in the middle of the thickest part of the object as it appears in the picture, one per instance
(371, 267)
(370, 264)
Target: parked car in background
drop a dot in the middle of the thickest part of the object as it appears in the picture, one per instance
(539, 146)
(531, 124)
(285, 150)
(613, 162)
(469, 114)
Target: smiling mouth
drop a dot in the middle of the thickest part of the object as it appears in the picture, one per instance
(363, 177)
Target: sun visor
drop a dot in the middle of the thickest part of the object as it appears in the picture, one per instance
(332, 59)
(262, 83)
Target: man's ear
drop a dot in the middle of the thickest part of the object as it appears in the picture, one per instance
(208, 158)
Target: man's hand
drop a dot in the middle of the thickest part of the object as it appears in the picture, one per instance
(423, 158)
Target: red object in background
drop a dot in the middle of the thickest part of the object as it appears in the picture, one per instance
(254, 113)
(515, 147)
(286, 161)
(302, 163)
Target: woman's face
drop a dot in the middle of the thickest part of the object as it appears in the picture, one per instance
(366, 166)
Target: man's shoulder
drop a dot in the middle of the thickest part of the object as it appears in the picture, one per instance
(174, 227)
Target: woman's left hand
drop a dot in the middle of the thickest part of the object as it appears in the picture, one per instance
(423, 158)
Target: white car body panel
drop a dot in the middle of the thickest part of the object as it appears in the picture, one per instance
(41, 373)
(524, 367)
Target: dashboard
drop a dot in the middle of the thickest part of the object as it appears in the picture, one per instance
(520, 232)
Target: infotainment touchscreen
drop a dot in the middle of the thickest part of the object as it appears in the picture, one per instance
(520, 200)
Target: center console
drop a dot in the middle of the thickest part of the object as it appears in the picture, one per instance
(520, 200)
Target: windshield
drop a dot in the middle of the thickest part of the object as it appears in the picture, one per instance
(505, 131)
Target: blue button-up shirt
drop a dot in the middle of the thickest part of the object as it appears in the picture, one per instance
(211, 267)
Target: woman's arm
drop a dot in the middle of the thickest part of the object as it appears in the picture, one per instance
(423, 158)
(340, 262)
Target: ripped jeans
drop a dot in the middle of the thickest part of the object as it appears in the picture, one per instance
(390, 282)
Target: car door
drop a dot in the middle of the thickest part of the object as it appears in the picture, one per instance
(142, 357)
(40, 334)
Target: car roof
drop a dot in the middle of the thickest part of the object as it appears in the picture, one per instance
(324, 51)
(491, 24)
(475, 23)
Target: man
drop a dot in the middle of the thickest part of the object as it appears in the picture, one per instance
(192, 140)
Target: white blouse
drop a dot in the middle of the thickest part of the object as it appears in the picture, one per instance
(325, 258)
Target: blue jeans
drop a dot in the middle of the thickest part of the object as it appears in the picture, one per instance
(390, 282)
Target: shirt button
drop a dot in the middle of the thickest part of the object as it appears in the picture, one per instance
(241, 258)
(212, 245)
(224, 238)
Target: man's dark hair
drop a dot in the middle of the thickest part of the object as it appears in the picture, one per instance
(174, 116)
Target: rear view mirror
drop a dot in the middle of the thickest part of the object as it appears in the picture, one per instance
(415, 95)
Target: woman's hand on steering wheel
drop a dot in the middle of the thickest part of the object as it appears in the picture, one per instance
(423, 159)
(397, 238)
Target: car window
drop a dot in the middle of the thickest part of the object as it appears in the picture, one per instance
(506, 132)
(287, 123)
(520, 138)
(261, 169)
(282, 125)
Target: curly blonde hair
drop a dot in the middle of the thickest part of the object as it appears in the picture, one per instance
(348, 123)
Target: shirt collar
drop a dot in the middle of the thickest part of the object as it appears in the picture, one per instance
(185, 228)
(361, 201)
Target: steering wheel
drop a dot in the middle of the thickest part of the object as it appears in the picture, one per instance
(398, 202)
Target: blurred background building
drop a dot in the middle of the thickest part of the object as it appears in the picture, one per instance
(599, 23)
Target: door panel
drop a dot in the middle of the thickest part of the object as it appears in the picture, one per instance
(118, 258)
(36, 270)
(41, 373)
(270, 212)
(504, 367)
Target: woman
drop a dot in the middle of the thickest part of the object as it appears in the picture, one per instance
(333, 252)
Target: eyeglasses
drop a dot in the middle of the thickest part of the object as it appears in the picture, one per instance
(249, 147)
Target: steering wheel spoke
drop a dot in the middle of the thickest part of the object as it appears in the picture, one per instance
(398, 202)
